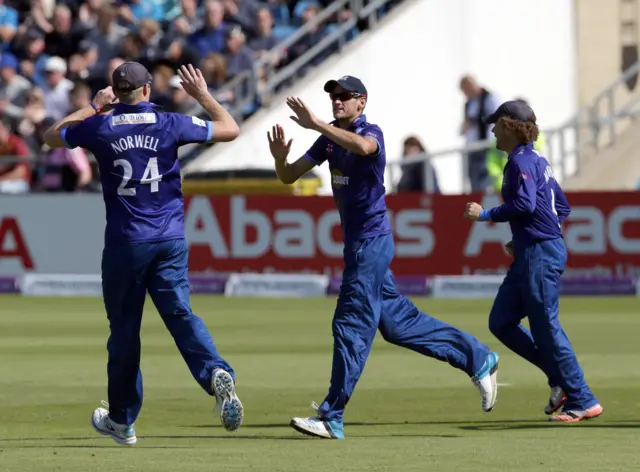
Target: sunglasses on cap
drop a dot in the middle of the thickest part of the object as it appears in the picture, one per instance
(344, 96)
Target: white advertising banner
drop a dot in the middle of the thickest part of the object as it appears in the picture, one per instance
(61, 285)
(466, 286)
(51, 234)
(277, 285)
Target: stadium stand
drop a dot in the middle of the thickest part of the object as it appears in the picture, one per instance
(55, 56)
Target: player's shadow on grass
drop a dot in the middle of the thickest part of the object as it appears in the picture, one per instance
(621, 424)
(380, 423)
(482, 425)
(9, 442)
(51, 442)
(77, 438)
(230, 436)
(92, 446)
(295, 437)
(97, 443)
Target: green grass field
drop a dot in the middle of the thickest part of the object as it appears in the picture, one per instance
(408, 412)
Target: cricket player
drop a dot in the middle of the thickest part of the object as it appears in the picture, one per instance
(368, 298)
(136, 147)
(535, 207)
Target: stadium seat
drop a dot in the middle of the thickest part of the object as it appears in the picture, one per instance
(281, 32)
(351, 34)
(281, 15)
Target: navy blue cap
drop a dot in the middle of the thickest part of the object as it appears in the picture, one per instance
(517, 110)
(350, 84)
(130, 76)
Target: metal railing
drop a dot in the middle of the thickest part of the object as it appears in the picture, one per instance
(250, 90)
(248, 87)
(606, 116)
(594, 128)
(562, 153)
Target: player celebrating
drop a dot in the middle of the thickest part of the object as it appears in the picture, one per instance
(535, 208)
(368, 298)
(136, 147)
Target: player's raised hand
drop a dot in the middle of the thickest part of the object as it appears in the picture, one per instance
(193, 81)
(472, 211)
(105, 97)
(278, 144)
(303, 115)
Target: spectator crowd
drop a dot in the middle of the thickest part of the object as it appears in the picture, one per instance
(56, 56)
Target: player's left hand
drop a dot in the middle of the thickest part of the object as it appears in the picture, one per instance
(303, 116)
(105, 97)
(193, 82)
(473, 211)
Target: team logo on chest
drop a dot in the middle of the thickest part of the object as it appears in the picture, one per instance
(338, 180)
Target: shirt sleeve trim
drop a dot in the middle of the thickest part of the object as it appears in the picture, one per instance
(308, 157)
(63, 136)
(209, 131)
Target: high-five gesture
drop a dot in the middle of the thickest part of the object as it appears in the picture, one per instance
(303, 115)
(278, 144)
(225, 128)
(193, 81)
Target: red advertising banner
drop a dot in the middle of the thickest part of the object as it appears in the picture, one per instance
(302, 234)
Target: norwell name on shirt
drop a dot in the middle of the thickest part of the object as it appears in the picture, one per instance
(137, 141)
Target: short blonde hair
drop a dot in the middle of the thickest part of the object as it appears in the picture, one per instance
(129, 96)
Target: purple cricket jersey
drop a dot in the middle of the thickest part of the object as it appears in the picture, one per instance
(136, 147)
(357, 182)
(534, 204)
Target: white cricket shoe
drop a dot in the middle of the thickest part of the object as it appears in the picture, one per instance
(486, 381)
(228, 405)
(316, 426)
(121, 433)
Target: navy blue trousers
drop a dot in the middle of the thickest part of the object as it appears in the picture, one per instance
(531, 289)
(128, 273)
(369, 301)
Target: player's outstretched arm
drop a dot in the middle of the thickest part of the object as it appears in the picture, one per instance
(361, 145)
(102, 100)
(225, 127)
(279, 147)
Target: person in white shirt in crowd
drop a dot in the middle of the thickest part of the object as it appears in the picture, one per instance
(56, 94)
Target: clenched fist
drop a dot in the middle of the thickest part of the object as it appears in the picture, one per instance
(473, 211)
(104, 97)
